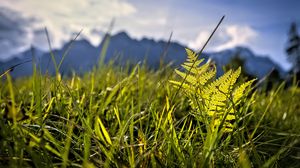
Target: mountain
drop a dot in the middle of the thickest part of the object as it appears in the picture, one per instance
(82, 56)
(136, 51)
(25, 58)
(255, 65)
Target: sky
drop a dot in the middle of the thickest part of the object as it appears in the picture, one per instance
(261, 25)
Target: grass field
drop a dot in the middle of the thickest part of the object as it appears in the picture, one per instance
(135, 117)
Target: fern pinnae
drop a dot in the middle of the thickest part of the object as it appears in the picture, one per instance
(190, 79)
(190, 52)
(239, 91)
(216, 98)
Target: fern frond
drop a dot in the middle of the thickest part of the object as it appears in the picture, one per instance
(205, 77)
(189, 78)
(184, 86)
(214, 98)
(213, 86)
(239, 91)
(191, 55)
(228, 83)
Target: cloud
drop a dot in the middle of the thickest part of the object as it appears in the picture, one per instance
(200, 40)
(63, 18)
(149, 21)
(230, 36)
(14, 34)
(239, 35)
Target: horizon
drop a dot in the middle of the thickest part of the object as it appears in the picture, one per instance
(261, 26)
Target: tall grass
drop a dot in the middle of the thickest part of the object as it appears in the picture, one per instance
(134, 117)
(114, 117)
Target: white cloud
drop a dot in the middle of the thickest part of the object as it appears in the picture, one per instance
(154, 21)
(148, 21)
(228, 37)
(64, 17)
(200, 40)
(239, 35)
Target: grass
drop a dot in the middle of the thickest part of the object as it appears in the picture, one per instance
(114, 117)
(134, 117)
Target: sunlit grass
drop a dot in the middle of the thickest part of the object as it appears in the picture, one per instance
(123, 117)
(132, 116)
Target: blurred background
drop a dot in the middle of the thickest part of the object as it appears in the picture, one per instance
(263, 34)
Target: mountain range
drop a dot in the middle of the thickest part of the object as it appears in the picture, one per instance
(83, 56)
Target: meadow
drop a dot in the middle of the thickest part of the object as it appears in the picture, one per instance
(137, 117)
(134, 116)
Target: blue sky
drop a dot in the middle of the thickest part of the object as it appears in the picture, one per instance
(261, 25)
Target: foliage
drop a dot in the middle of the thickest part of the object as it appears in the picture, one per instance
(214, 102)
(211, 99)
(134, 117)
(293, 48)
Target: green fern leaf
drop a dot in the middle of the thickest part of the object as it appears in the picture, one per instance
(211, 98)
(239, 91)
(190, 79)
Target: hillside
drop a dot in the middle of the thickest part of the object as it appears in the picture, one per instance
(83, 56)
